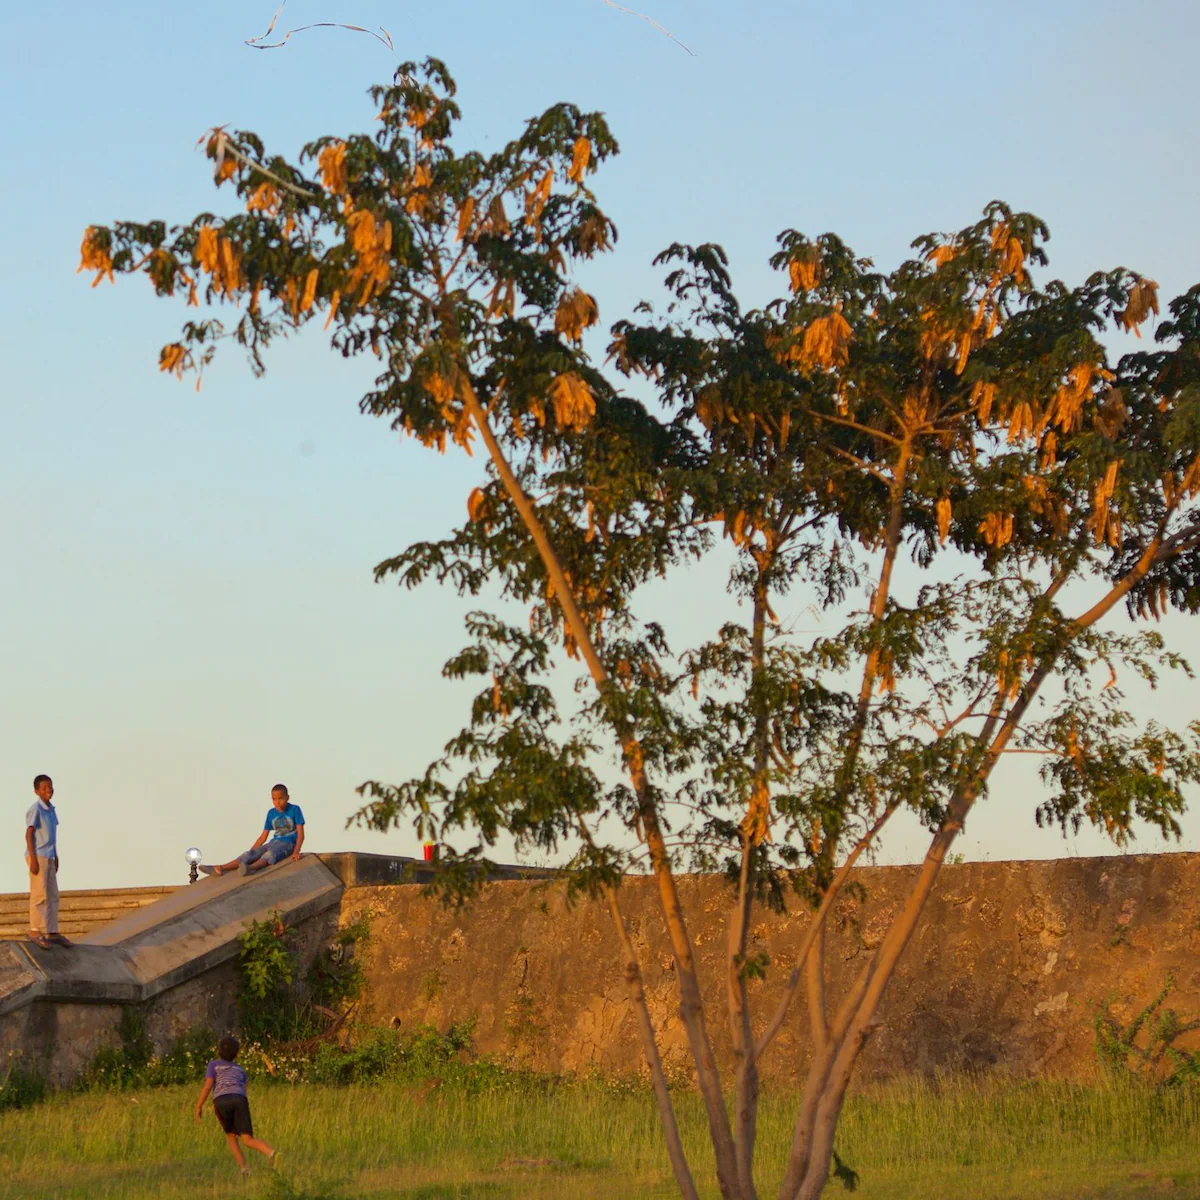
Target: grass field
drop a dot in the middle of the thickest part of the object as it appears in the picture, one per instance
(959, 1139)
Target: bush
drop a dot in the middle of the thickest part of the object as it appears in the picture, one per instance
(337, 975)
(1145, 1047)
(377, 1056)
(267, 1007)
(425, 1055)
(272, 1007)
(133, 1064)
(20, 1086)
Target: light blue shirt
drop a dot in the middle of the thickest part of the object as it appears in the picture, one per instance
(42, 818)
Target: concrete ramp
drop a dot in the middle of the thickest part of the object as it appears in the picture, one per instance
(165, 943)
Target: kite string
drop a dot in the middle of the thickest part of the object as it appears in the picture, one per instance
(649, 21)
(261, 43)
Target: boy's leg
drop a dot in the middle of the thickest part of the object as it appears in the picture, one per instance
(231, 1139)
(38, 902)
(49, 872)
(271, 853)
(268, 855)
(232, 865)
(218, 868)
(260, 1146)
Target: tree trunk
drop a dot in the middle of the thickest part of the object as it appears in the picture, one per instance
(745, 1105)
(666, 1110)
(755, 827)
(691, 1009)
(833, 1090)
(691, 1012)
(814, 1089)
(815, 990)
(816, 929)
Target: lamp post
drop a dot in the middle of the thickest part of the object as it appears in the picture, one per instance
(193, 857)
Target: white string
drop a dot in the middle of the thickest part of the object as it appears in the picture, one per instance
(649, 21)
(261, 43)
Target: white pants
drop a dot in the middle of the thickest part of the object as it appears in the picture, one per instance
(43, 897)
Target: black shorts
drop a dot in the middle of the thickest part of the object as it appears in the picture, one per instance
(234, 1114)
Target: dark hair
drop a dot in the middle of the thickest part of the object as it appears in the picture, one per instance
(281, 787)
(228, 1047)
(38, 780)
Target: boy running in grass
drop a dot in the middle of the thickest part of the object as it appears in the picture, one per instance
(285, 827)
(227, 1083)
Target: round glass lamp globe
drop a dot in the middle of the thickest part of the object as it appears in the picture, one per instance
(193, 855)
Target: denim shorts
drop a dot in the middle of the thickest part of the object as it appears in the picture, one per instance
(273, 851)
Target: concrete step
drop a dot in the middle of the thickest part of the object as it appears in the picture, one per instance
(89, 916)
(17, 933)
(149, 893)
(88, 904)
(81, 911)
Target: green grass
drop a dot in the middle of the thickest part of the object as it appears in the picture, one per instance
(908, 1140)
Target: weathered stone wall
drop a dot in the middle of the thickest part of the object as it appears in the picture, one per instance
(60, 1038)
(1005, 970)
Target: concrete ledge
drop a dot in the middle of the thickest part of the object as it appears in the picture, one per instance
(19, 977)
(357, 869)
(161, 945)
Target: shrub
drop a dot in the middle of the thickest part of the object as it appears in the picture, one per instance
(133, 1064)
(337, 975)
(19, 1085)
(1146, 1046)
(272, 1006)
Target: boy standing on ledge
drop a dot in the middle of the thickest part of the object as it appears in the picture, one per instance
(284, 825)
(41, 853)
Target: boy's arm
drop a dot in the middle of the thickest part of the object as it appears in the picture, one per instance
(33, 863)
(208, 1084)
(299, 840)
(258, 841)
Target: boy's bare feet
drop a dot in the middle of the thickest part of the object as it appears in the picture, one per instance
(273, 1158)
(205, 869)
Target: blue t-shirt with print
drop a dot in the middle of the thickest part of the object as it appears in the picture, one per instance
(282, 826)
(228, 1078)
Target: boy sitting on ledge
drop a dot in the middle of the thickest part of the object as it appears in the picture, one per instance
(284, 825)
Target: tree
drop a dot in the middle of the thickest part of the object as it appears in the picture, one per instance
(950, 410)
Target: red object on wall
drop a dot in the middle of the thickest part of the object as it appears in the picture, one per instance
(429, 848)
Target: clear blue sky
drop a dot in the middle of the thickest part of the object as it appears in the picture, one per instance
(188, 614)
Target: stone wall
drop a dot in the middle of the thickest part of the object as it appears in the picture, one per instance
(60, 1038)
(1004, 972)
(174, 962)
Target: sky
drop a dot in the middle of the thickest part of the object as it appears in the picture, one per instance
(188, 610)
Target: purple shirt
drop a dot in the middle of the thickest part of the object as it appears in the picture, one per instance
(228, 1078)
